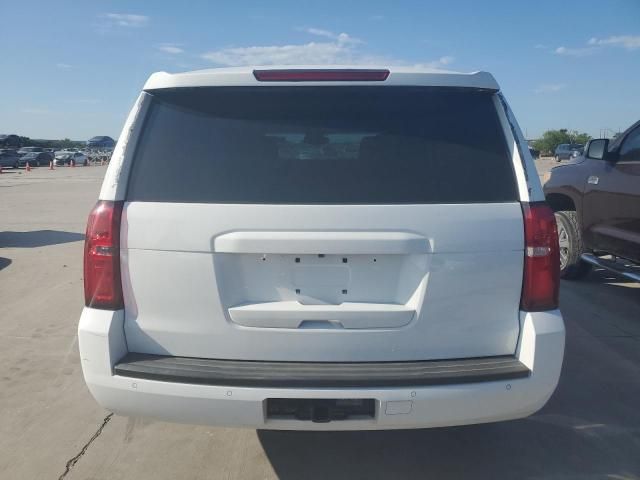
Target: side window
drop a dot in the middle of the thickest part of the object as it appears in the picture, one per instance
(630, 149)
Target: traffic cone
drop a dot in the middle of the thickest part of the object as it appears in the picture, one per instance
(28, 167)
(51, 165)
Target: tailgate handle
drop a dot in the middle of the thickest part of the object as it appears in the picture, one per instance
(349, 315)
(365, 243)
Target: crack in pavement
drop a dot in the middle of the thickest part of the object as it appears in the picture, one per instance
(71, 463)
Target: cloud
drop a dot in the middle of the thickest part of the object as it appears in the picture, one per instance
(338, 37)
(540, 46)
(308, 53)
(85, 101)
(446, 60)
(437, 64)
(36, 111)
(319, 32)
(338, 48)
(171, 48)
(630, 42)
(63, 65)
(549, 88)
(574, 52)
(127, 20)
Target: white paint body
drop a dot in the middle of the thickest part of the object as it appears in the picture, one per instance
(395, 283)
(541, 348)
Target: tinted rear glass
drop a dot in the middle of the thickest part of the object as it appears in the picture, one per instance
(309, 145)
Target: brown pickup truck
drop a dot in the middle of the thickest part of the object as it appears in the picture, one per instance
(596, 199)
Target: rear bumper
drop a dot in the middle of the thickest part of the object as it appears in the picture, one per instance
(251, 374)
(540, 350)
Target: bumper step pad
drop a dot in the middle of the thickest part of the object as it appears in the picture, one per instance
(319, 374)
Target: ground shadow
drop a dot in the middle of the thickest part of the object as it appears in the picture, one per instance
(519, 449)
(37, 238)
(589, 429)
(601, 275)
(604, 283)
(4, 262)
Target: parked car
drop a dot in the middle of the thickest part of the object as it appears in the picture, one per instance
(566, 151)
(44, 159)
(65, 157)
(25, 150)
(597, 206)
(281, 280)
(35, 159)
(9, 158)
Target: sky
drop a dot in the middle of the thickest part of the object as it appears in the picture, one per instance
(74, 69)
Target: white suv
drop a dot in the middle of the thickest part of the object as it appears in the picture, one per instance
(323, 249)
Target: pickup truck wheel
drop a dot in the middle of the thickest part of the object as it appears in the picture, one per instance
(571, 246)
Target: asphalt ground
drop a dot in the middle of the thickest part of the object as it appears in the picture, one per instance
(50, 426)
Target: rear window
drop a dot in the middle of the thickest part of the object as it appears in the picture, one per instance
(322, 145)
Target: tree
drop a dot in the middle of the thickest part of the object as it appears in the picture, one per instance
(55, 144)
(552, 138)
(581, 138)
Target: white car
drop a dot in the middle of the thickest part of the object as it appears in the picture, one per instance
(65, 157)
(321, 249)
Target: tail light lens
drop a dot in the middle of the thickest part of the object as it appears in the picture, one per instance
(102, 283)
(541, 281)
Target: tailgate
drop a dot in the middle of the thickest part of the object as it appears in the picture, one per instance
(333, 223)
(316, 283)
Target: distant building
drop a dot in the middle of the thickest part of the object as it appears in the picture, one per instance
(101, 142)
(8, 141)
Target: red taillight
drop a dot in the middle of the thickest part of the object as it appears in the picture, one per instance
(102, 283)
(541, 259)
(317, 75)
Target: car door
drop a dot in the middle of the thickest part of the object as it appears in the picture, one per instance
(563, 152)
(10, 159)
(611, 213)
